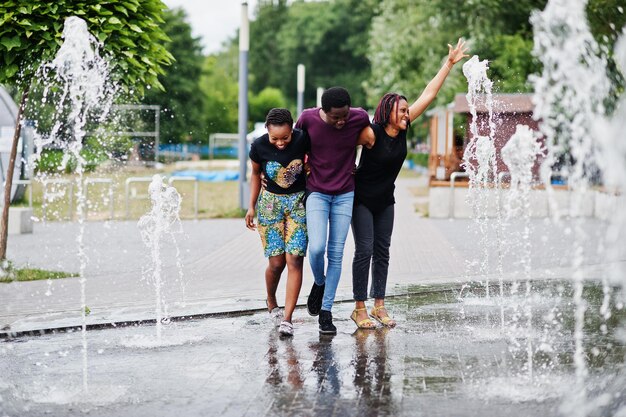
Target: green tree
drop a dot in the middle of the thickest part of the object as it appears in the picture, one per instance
(407, 47)
(30, 34)
(264, 56)
(342, 52)
(181, 101)
(298, 38)
(607, 21)
(512, 62)
(219, 85)
(261, 103)
(329, 38)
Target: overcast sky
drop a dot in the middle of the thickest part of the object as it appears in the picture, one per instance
(213, 21)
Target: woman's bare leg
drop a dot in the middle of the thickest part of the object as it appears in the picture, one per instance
(294, 283)
(272, 278)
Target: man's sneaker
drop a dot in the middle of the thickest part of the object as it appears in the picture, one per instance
(314, 302)
(276, 315)
(326, 323)
(285, 329)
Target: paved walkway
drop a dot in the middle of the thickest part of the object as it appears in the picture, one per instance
(217, 266)
(447, 357)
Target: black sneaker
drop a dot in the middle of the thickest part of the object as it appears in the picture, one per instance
(326, 323)
(314, 302)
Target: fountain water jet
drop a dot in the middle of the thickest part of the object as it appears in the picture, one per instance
(85, 96)
(519, 154)
(154, 226)
(479, 160)
(612, 151)
(568, 97)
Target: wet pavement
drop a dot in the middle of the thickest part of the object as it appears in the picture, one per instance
(216, 266)
(447, 357)
(220, 356)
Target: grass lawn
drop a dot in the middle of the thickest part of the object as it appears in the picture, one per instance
(33, 274)
(215, 199)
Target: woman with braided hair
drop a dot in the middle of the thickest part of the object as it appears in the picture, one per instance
(384, 150)
(279, 156)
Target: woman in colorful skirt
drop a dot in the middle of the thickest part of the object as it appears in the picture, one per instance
(279, 156)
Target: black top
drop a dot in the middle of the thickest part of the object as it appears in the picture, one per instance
(378, 169)
(284, 169)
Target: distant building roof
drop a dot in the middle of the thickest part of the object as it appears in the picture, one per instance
(502, 103)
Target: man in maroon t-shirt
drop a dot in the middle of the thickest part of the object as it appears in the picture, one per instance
(334, 130)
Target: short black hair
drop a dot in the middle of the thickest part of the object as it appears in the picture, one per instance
(278, 116)
(335, 97)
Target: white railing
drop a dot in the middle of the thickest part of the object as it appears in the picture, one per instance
(453, 178)
(195, 191)
(133, 196)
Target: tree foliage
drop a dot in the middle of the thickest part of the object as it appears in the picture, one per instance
(407, 48)
(408, 40)
(607, 21)
(182, 117)
(330, 38)
(264, 56)
(30, 33)
(262, 103)
(218, 83)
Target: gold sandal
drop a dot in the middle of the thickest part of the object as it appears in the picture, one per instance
(363, 324)
(384, 320)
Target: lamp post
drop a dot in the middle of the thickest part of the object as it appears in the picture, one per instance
(320, 91)
(300, 98)
(244, 46)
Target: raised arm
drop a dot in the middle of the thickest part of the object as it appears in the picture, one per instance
(430, 92)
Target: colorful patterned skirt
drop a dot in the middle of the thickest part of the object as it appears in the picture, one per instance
(282, 223)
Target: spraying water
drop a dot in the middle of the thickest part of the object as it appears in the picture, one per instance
(76, 82)
(612, 151)
(569, 95)
(154, 227)
(479, 158)
(520, 154)
(609, 132)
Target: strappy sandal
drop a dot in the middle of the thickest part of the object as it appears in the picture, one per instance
(384, 320)
(363, 324)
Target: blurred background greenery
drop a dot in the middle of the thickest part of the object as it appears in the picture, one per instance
(368, 46)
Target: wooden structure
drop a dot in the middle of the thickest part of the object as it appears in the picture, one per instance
(447, 144)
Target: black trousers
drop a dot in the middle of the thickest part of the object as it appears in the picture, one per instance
(372, 238)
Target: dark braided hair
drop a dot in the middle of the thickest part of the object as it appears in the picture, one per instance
(278, 117)
(335, 97)
(385, 105)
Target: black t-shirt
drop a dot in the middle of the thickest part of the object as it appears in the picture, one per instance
(284, 169)
(378, 169)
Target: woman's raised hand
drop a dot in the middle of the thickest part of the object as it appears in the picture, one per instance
(457, 53)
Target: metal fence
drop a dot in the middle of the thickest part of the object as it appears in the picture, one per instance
(63, 190)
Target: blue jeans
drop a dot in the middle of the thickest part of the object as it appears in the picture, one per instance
(328, 216)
